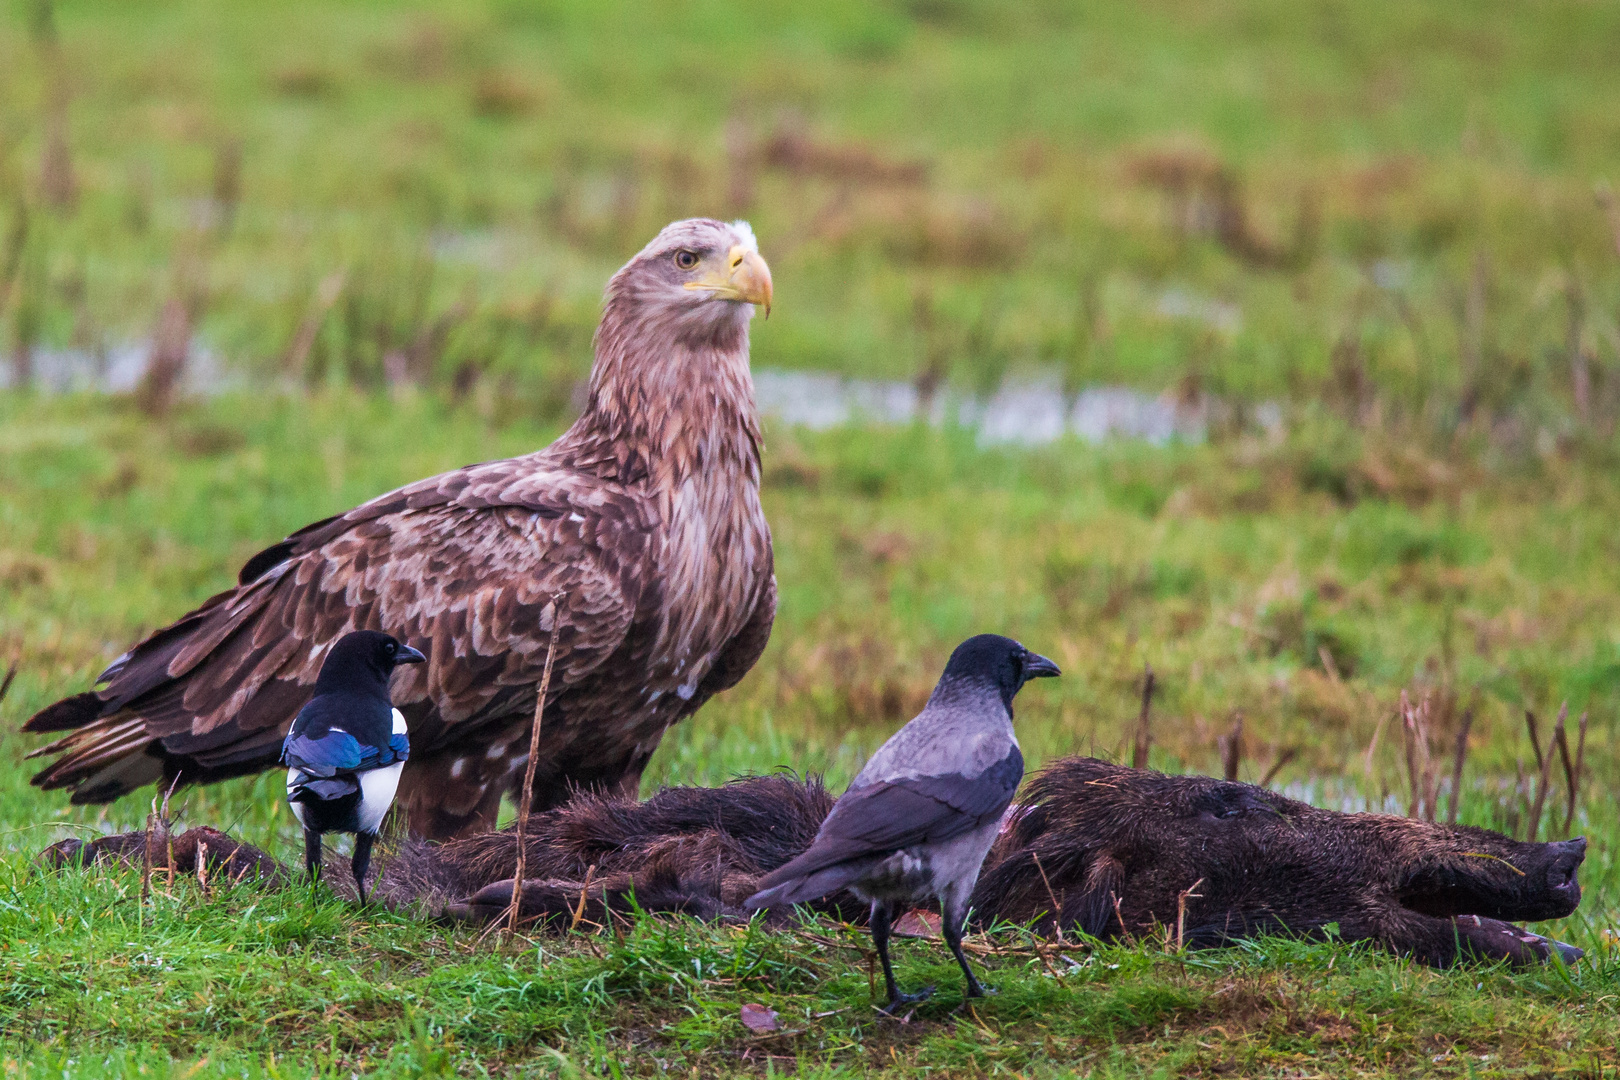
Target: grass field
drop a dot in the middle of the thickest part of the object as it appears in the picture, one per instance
(1221, 566)
(392, 222)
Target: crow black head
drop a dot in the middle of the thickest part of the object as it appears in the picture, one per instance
(999, 661)
(363, 660)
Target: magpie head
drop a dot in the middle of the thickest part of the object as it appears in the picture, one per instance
(999, 661)
(362, 660)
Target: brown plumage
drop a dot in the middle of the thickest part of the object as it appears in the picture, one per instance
(642, 522)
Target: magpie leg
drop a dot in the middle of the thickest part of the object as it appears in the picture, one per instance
(882, 920)
(312, 854)
(955, 915)
(362, 859)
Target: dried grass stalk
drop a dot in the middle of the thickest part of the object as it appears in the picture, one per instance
(1575, 775)
(1231, 748)
(1457, 765)
(1419, 758)
(1139, 753)
(526, 794)
(1534, 826)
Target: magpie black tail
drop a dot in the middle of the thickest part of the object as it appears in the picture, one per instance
(327, 789)
(312, 854)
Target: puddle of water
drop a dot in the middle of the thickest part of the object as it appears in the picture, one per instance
(118, 370)
(1029, 413)
(1179, 303)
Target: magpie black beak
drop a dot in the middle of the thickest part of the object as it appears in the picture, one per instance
(408, 655)
(1037, 666)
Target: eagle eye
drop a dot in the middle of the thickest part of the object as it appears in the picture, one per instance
(686, 259)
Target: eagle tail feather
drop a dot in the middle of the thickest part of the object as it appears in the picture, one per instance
(67, 714)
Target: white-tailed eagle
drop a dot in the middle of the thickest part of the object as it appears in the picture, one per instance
(642, 522)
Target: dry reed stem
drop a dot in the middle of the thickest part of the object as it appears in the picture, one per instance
(584, 891)
(1181, 912)
(1534, 826)
(1457, 765)
(5, 684)
(1575, 775)
(1231, 748)
(1562, 739)
(1372, 748)
(1328, 664)
(1284, 756)
(1130, 939)
(1057, 909)
(146, 854)
(527, 791)
(1611, 209)
(1419, 761)
(309, 327)
(1535, 735)
(1139, 753)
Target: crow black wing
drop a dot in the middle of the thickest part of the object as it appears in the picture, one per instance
(880, 819)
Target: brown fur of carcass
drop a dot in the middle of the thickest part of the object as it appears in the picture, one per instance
(1252, 862)
(223, 857)
(1107, 850)
(1096, 847)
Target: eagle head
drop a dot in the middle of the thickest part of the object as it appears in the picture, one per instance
(697, 278)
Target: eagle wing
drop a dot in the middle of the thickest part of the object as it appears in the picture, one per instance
(463, 566)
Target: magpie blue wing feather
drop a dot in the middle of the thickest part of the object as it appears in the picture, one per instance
(339, 752)
(880, 819)
(334, 752)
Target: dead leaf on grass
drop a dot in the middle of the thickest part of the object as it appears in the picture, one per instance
(759, 1018)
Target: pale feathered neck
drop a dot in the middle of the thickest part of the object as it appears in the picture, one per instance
(670, 396)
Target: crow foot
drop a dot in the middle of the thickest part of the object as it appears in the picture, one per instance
(906, 999)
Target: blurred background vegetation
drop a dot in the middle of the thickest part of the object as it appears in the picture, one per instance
(1397, 214)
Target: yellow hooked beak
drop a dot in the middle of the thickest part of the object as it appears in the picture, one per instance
(744, 276)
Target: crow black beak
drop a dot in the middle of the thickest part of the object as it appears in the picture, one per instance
(1037, 666)
(408, 655)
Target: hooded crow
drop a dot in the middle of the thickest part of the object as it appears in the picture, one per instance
(347, 747)
(919, 819)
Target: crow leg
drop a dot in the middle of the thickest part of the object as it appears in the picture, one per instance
(882, 919)
(955, 914)
(361, 860)
(312, 854)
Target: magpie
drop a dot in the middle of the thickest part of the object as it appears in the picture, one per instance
(347, 747)
(919, 820)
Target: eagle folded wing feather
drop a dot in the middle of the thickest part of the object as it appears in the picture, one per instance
(373, 568)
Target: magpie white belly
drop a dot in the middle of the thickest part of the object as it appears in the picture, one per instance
(377, 789)
(348, 802)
